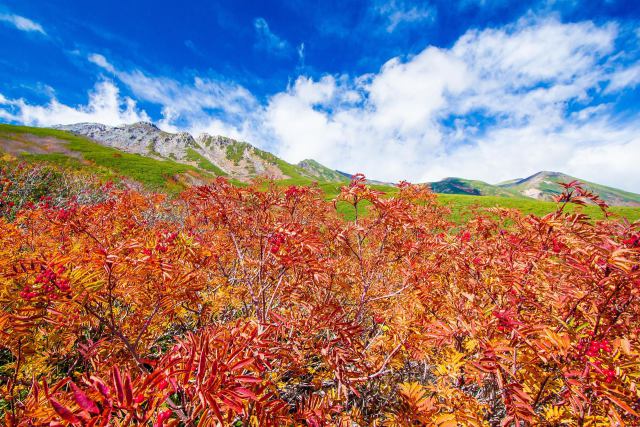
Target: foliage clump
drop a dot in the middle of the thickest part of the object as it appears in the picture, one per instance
(240, 306)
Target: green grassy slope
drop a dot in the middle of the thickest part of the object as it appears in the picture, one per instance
(461, 206)
(105, 161)
(321, 172)
(471, 187)
(548, 184)
(203, 162)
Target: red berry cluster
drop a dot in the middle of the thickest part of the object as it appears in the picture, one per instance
(47, 282)
(465, 237)
(557, 246)
(65, 213)
(45, 202)
(162, 417)
(609, 375)
(275, 241)
(594, 347)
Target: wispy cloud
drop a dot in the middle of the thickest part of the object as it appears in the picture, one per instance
(398, 12)
(267, 40)
(200, 105)
(101, 62)
(21, 23)
(189, 44)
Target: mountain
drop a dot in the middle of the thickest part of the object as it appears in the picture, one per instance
(540, 186)
(315, 169)
(219, 155)
(545, 185)
(470, 187)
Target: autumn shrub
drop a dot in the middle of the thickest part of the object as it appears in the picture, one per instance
(23, 185)
(246, 306)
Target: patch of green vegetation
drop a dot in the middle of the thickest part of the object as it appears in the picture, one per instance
(320, 172)
(462, 205)
(110, 163)
(151, 149)
(203, 162)
(548, 183)
(292, 171)
(153, 173)
(235, 151)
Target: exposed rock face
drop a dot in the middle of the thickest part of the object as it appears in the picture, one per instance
(140, 138)
(239, 159)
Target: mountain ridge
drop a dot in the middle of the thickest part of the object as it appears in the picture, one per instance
(543, 185)
(217, 154)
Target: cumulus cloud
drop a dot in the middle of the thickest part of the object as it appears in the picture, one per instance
(105, 105)
(500, 103)
(21, 23)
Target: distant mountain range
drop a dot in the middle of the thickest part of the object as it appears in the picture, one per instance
(543, 185)
(222, 156)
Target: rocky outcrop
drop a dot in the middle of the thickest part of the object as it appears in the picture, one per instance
(140, 138)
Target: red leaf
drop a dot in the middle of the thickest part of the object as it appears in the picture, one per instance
(241, 364)
(128, 390)
(117, 381)
(244, 392)
(63, 411)
(248, 379)
(83, 400)
(232, 404)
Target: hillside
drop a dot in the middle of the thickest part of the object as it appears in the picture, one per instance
(545, 185)
(540, 186)
(470, 187)
(219, 155)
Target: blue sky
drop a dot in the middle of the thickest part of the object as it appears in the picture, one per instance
(484, 89)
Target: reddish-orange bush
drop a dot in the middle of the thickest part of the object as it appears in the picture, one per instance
(254, 307)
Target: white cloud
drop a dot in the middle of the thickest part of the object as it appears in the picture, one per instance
(267, 40)
(102, 62)
(398, 12)
(200, 106)
(21, 23)
(625, 78)
(507, 92)
(105, 105)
